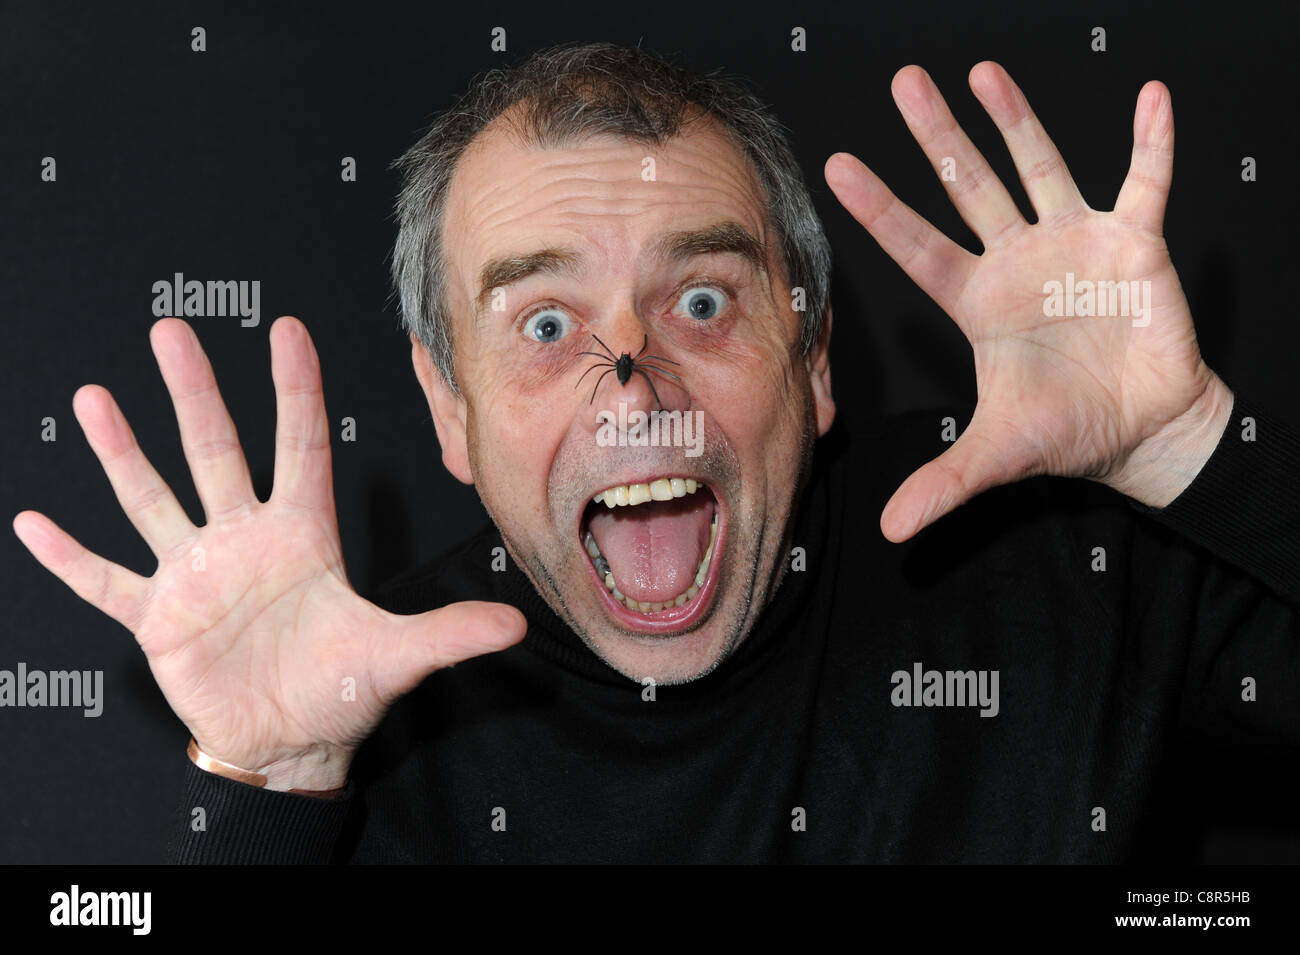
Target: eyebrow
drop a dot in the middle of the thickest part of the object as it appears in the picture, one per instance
(723, 237)
(503, 271)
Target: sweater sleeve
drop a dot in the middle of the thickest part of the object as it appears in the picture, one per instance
(1244, 505)
(221, 821)
(1233, 597)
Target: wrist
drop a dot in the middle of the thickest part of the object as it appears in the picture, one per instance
(319, 771)
(1164, 465)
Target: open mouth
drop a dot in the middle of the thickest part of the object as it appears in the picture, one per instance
(654, 549)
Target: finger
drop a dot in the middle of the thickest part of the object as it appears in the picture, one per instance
(207, 433)
(984, 456)
(1145, 192)
(101, 583)
(302, 444)
(933, 261)
(145, 497)
(1046, 179)
(441, 638)
(974, 189)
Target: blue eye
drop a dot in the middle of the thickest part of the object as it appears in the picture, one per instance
(548, 325)
(702, 302)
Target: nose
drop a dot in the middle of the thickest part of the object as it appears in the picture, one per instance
(630, 370)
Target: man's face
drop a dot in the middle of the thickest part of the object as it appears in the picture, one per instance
(665, 248)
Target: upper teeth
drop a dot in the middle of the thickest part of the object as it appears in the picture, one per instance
(661, 489)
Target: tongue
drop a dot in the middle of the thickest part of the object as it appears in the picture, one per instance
(655, 548)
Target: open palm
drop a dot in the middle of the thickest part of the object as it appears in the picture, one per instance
(1058, 392)
(249, 624)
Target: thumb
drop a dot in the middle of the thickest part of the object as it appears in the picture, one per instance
(979, 459)
(422, 643)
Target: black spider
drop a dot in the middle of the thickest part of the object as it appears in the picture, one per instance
(625, 366)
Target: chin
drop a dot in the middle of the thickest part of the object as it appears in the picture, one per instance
(669, 660)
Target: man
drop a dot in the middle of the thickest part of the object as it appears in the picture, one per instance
(703, 650)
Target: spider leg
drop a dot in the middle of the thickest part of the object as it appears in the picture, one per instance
(650, 383)
(597, 388)
(659, 358)
(604, 346)
(645, 343)
(590, 370)
(662, 371)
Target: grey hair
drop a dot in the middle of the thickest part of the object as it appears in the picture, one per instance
(567, 93)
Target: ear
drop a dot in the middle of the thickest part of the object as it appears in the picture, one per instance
(448, 409)
(819, 370)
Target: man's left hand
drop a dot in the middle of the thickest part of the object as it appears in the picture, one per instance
(1122, 399)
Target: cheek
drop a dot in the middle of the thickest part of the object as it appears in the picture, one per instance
(754, 384)
(761, 413)
(515, 433)
(765, 428)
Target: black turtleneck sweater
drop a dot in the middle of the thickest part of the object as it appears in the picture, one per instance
(1120, 693)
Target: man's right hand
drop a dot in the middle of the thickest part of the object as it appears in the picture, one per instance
(250, 625)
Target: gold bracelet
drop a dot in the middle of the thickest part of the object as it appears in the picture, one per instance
(217, 767)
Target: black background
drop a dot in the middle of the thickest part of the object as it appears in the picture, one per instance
(225, 165)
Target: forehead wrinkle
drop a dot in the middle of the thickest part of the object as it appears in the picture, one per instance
(602, 172)
(599, 196)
